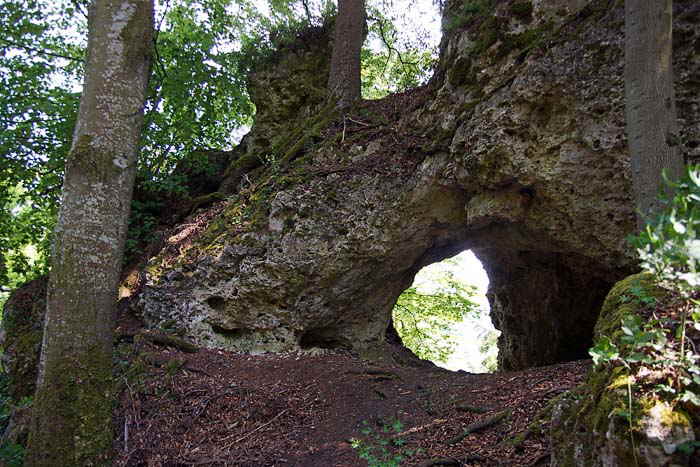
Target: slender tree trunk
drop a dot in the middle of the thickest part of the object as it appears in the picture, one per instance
(72, 415)
(344, 78)
(652, 127)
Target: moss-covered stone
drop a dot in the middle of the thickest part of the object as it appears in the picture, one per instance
(605, 421)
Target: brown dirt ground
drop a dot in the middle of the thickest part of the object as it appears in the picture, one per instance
(216, 408)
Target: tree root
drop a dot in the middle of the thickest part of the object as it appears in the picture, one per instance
(379, 374)
(462, 407)
(446, 461)
(480, 425)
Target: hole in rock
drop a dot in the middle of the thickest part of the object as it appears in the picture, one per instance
(230, 333)
(444, 316)
(217, 303)
(323, 338)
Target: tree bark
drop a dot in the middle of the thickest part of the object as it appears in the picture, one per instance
(652, 127)
(344, 78)
(72, 415)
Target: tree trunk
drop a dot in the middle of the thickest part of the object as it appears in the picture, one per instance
(652, 127)
(72, 415)
(344, 78)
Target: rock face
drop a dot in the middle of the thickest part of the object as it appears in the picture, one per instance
(515, 150)
(20, 341)
(589, 427)
(20, 337)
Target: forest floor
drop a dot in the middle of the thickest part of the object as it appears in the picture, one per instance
(215, 408)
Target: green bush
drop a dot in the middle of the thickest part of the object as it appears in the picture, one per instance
(657, 348)
(11, 454)
(669, 246)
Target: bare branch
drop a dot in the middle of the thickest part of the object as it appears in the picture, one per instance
(39, 51)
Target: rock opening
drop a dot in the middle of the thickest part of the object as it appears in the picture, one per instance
(444, 316)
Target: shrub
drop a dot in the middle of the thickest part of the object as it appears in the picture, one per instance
(658, 345)
(669, 246)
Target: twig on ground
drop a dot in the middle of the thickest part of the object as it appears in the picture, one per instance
(480, 425)
(416, 429)
(257, 429)
(358, 122)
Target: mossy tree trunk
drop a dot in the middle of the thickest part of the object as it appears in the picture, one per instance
(344, 78)
(72, 415)
(652, 127)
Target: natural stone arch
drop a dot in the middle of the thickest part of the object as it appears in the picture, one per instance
(514, 151)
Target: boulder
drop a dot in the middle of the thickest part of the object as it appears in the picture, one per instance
(590, 426)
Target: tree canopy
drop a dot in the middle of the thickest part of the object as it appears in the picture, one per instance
(197, 97)
(424, 315)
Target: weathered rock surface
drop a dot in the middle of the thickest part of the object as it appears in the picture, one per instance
(515, 150)
(589, 425)
(20, 341)
(20, 337)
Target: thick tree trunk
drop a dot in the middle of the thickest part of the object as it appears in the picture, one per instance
(652, 127)
(344, 78)
(72, 415)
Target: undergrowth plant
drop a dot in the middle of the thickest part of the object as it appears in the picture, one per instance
(657, 347)
(11, 454)
(382, 448)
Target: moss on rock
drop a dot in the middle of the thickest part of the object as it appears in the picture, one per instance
(20, 337)
(604, 422)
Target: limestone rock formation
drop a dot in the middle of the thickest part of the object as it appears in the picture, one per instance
(590, 426)
(20, 341)
(20, 337)
(516, 150)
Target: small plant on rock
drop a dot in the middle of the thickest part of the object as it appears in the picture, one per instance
(659, 344)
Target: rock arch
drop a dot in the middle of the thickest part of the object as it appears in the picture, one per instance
(515, 150)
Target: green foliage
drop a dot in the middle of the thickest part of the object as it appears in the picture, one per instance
(142, 224)
(5, 400)
(398, 65)
(198, 92)
(689, 447)
(466, 12)
(489, 349)
(39, 63)
(521, 9)
(11, 455)
(382, 448)
(669, 246)
(651, 349)
(197, 99)
(654, 345)
(424, 319)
